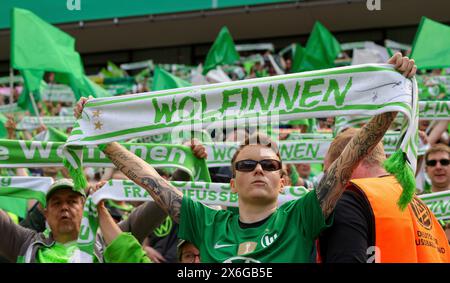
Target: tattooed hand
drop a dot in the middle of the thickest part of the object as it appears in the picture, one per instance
(165, 195)
(333, 183)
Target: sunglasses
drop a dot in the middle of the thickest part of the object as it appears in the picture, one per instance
(432, 162)
(249, 165)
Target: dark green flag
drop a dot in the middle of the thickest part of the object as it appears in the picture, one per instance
(321, 49)
(164, 80)
(222, 52)
(299, 53)
(431, 47)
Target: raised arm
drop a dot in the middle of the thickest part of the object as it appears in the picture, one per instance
(332, 184)
(143, 174)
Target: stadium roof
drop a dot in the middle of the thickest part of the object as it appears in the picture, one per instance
(67, 11)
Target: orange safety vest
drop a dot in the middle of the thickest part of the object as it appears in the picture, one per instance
(412, 235)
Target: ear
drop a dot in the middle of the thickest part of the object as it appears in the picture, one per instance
(233, 185)
(282, 184)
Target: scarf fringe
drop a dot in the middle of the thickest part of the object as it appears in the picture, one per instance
(396, 165)
(77, 176)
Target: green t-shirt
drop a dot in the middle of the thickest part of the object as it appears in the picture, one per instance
(58, 253)
(287, 236)
(125, 249)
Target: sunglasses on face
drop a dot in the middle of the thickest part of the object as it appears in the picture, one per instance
(249, 165)
(433, 162)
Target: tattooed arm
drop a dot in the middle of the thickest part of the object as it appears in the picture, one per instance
(165, 195)
(332, 185)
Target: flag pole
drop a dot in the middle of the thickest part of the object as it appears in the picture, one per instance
(33, 102)
(11, 86)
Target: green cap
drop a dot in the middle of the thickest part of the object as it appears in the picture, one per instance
(63, 184)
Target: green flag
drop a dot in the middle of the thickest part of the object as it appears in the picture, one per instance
(321, 49)
(142, 75)
(112, 71)
(51, 134)
(299, 53)
(34, 83)
(431, 47)
(3, 131)
(38, 45)
(81, 87)
(56, 135)
(14, 205)
(86, 87)
(222, 52)
(164, 80)
(33, 79)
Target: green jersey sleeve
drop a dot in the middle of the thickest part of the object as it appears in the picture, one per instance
(190, 221)
(194, 218)
(125, 249)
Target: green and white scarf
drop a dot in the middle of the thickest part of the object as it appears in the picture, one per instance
(428, 110)
(434, 110)
(25, 187)
(204, 192)
(439, 204)
(296, 151)
(20, 153)
(299, 151)
(30, 123)
(355, 90)
(57, 93)
(7, 108)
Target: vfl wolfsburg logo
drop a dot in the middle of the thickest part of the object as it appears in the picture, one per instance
(241, 259)
(267, 240)
(164, 229)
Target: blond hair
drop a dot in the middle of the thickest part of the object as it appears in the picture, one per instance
(440, 147)
(375, 158)
(255, 139)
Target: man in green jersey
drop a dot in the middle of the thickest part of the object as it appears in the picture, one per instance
(262, 231)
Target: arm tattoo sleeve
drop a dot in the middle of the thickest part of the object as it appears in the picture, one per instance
(165, 195)
(333, 183)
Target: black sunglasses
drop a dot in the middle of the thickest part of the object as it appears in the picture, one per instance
(432, 162)
(249, 165)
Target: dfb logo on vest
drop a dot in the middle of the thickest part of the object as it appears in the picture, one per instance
(422, 213)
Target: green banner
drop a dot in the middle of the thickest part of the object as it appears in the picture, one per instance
(434, 110)
(31, 123)
(439, 204)
(300, 151)
(19, 153)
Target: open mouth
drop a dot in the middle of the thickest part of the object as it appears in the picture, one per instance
(65, 217)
